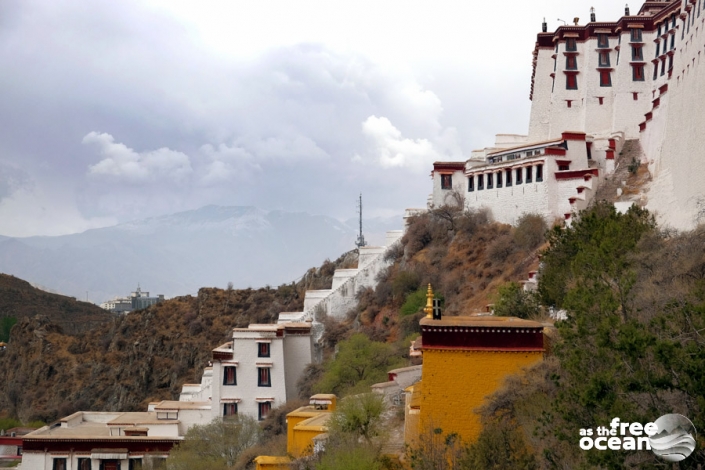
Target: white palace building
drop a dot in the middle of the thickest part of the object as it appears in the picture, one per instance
(593, 87)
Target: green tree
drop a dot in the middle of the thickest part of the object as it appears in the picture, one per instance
(513, 301)
(358, 364)
(359, 415)
(216, 445)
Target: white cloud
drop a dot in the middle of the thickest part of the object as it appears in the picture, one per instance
(226, 164)
(45, 210)
(124, 163)
(391, 149)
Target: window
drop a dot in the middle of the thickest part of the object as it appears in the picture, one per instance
(539, 173)
(636, 35)
(135, 464)
(499, 179)
(528, 174)
(263, 379)
(563, 167)
(670, 63)
(637, 53)
(603, 40)
(229, 409)
(480, 182)
(229, 376)
(673, 41)
(264, 409)
(262, 349)
(85, 464)
(571, 81)
(658, 49)
(59, 464)
(663, 67)
(571, 62)
(655, 70)
(471, 183)
(518, 172)
(489, 180)
(604, 59)
(571, 44)
(605, 78)
(638, 72)
(509, 178)
(673, 18)
(446, 181)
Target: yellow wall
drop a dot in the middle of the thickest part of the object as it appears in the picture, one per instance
(454, 383)
(272, 463)
(292, 419)
(303, 440)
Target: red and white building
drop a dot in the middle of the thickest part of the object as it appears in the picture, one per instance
(635, 78)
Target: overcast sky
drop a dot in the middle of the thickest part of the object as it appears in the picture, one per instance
(118, 110)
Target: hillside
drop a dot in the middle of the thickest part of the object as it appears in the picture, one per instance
(19, 300)
(148, 355)
(137, 358)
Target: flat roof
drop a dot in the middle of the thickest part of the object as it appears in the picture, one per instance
(168, 405)
(489, 321)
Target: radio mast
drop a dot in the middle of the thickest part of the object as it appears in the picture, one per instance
(360, 238)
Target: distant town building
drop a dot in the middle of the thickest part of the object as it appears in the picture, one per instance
(11, 445)
(136, 301)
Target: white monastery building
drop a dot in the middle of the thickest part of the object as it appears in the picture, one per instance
(593, 87)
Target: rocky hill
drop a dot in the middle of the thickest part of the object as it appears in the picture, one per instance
(148, 355)
(130, 360)
(19, 300)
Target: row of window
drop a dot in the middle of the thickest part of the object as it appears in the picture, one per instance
(230, 409)
(504, 178)
(264, 378)
(158, 463)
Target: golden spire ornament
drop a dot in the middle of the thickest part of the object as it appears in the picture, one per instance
(429, 302)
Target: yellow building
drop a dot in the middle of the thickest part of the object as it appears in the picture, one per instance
(465, 359)
(303, 425)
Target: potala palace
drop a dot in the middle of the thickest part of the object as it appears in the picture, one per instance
(593, 88)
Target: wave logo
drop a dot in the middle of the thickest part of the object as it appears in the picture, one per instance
(675, 438)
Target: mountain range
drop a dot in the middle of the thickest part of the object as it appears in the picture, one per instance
(177, 254)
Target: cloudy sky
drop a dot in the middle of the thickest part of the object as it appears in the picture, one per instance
(118, 110)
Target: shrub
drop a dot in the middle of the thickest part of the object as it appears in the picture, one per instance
(414, 302)
(513, 301)
(405, 282)
(530, 231)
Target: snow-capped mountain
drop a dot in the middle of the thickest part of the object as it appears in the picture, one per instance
(177, 254)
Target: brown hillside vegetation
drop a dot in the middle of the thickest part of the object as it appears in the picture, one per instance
(18, 299)
(148, 355)
(139, 357)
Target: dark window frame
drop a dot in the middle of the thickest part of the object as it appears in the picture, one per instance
(603, 40)
(264, 408)
(571, 45)
(635, 35)
(229, 409)
(227, 380)
(446, 181)
(528, 178)
(571, 81)
(471, 183)
(490, 180)
(264, 350)
(518, 177)
(264, 377)
(606, 56)
(539, 173)
(638, 72)
(605, 78)
(480, 182)
(508, 179)
(499, 179)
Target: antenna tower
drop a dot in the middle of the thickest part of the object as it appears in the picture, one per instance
(360, 238)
